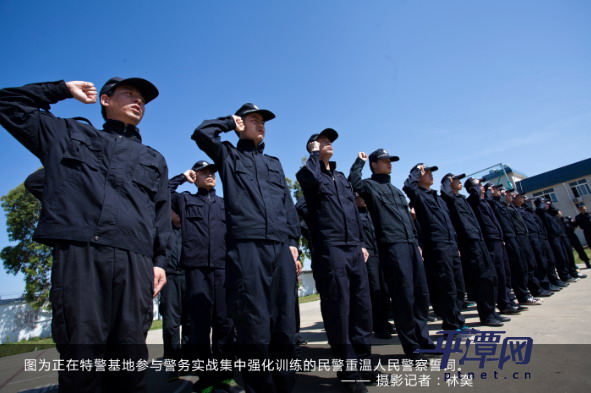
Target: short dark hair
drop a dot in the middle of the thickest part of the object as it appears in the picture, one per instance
(109, 93)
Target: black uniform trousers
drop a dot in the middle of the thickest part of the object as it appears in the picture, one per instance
(483, 272)
(576, 243)
(560, 257)
(528, 255)
(446, 283)
(587, 234)
(519, 269)
(102, 309)
(571, 266)
(469, 271)
(209, 316)
(499, 258)
(550, 262)
(261, 295)
(176, 329)
(378, 293)
(341, 280)
(405, 276)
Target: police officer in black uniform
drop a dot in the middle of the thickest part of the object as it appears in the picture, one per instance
(106, 212)
(474, 254)
(570, 226)
(526, 252)
(399, 253)
(583, 221)
(493, 237)
(262, 239)
(338, 262)
(553, 228)
(203, 224)
(440, 248)
(380, 299)
(518, 267)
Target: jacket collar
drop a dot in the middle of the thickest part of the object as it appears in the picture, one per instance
(120, 128)
(205, 192)
(248, 145)
(380, 177)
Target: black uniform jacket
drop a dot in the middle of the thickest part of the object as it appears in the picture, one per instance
(462, 215)
(583, 221)
(258, 201)
(553, 227)
(491, 229)
(102, 187)
(387, 204)
(501, 209)
(333, 216)
(203, 221)
(432, 212)
(518, 221)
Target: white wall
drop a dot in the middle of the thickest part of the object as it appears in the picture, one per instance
(18, 321)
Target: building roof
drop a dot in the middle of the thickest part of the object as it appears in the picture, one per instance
(559, 175)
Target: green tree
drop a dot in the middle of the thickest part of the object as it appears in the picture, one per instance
(27, 256)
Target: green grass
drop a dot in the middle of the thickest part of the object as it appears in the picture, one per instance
(157, 324)
(309, 298)
(24, 346)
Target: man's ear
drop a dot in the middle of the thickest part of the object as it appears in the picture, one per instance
(372, 164)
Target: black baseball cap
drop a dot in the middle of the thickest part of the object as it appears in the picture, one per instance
(468, 184)
(380, 154)
(500, 187)
(454, 177)
(249, 108)
(146, 88)
(329, 133)
(580, 204)
(427, 168)
(202, 164)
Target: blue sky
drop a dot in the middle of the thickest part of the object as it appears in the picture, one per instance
(461, 84)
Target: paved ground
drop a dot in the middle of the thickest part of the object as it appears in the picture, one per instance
(560, 361)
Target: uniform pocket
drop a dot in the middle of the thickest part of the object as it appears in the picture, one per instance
(81, 151)
(194, 211)
(147, 175)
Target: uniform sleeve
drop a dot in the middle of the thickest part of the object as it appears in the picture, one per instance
(173, 184)
(411, 184)
(23, 113)
(292, 219)
(163, 242)
(355, 176)
(446, 192)
(35, 183)
(207, 137)
(309, 174)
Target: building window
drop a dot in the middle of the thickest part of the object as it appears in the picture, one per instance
(579, 188)
(548, 194)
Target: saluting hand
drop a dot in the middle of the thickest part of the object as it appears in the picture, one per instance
(362, 156)
(422, 169)
(239, 123)
(84, 92)
(314, 146)
(190, 175)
